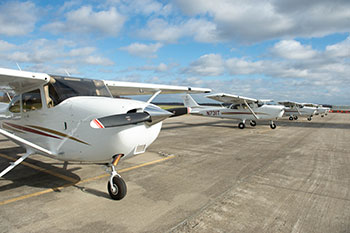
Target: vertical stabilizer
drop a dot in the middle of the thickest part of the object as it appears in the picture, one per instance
(189, 102)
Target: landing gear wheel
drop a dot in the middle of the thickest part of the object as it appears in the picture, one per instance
(295, 117)
(273, 126)
(309, 118)
(120, 189)
(322, 115)
(253, 123)
(241, 125)
(291, 118)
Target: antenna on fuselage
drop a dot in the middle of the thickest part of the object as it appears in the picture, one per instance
(18, 67)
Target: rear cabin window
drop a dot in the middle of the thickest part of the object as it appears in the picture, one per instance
(31, 101)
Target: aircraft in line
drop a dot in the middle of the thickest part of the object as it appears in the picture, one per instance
(294, 110)
(237, 107)
(320, 110)
(76, 119)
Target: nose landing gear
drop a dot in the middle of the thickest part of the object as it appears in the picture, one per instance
(272, 125)
(116, 185)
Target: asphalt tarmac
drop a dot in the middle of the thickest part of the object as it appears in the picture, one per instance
(200, 175)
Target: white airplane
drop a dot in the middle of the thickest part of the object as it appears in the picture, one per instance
(294, 110)
(320, 110)
(76, 119)
(239, 107)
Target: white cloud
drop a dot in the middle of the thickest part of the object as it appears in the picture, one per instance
(97, 60)
(291, 49)
(86, 20)
(82, 51)
(339, 50)
(17, 18)
(58, 52)
(143, 50)
(159, 29)
(5, 46)
(251, 21)
(207, 65)
(240, 66)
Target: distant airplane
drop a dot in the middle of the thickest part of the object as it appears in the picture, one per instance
(76, 119)
(320, 110)
(239, 107)
(293, 110)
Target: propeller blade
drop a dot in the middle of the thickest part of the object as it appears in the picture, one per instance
(121, 120)
(151, 115)
(178, 111)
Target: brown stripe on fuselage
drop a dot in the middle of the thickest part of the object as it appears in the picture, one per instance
(57, 133)
(20, 127)
(242, 113)
(6, 126)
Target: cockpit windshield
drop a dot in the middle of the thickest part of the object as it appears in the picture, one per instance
(61, 88)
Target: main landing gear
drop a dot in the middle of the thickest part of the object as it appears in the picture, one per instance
(253, 123)
(293, 118)
(309, 118)
(116, 185)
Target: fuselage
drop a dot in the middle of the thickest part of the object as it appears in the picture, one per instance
(65, 129)
(241, 112)
(302, 112)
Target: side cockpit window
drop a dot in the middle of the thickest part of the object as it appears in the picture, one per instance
(15, 105)
(31, 101)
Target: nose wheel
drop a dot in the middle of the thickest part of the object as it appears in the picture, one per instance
(272, 125)
(116, 185)
(241, 125)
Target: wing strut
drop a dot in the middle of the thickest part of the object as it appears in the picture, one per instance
(250, 109)
(18, 161)
(153, 96)
(29, 146)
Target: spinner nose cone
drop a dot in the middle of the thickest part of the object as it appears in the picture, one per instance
(157, 114)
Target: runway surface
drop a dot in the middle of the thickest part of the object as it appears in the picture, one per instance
(200, 175)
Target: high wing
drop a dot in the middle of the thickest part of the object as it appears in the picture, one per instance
(129, 88)
(227, 98)
(21, 80)
(290, 104)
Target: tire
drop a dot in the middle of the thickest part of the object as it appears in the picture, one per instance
(120, 185)
(291, 118)
(295, 117)
(241, 125)
(273, 126)
(253, 123)
(309, 118)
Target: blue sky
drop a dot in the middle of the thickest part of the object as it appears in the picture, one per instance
(276, 49)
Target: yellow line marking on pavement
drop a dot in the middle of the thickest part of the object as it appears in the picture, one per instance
(67, 178)
(75, 181)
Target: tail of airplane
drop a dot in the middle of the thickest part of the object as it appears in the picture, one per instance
(189, 102)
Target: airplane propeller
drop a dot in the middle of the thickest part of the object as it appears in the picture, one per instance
(150, 116)
(179, 111)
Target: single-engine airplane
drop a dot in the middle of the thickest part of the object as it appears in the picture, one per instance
(294, 110)
(239, 107)
(76, 119)
(320, 110)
